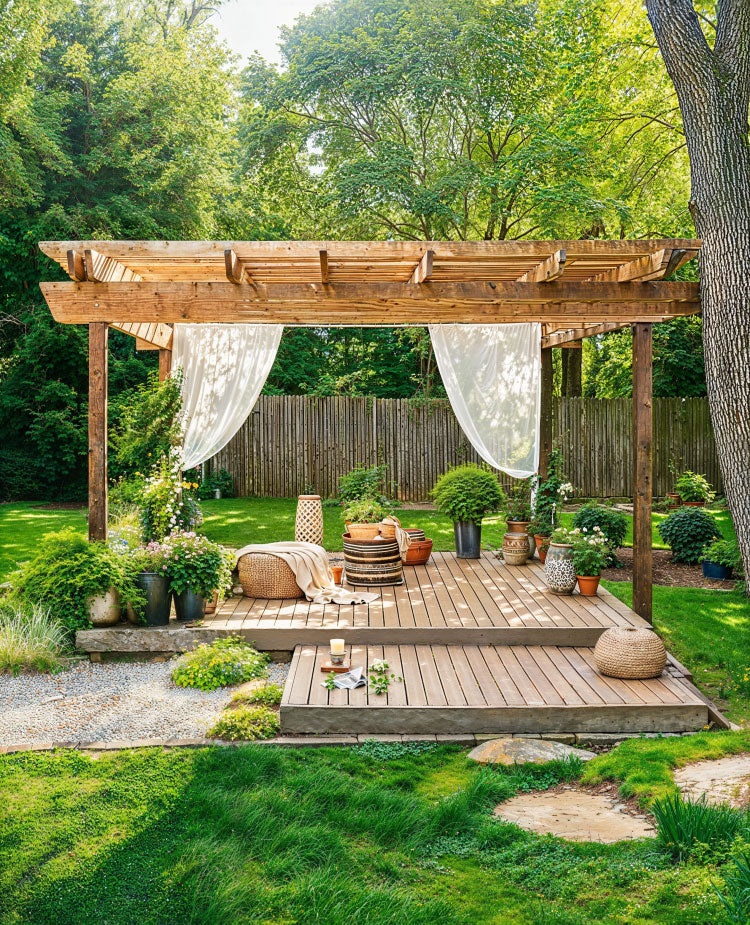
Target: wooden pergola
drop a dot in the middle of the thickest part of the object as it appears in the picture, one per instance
(575, 289)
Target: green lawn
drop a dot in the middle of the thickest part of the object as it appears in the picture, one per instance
(21, 526)
(383, 834)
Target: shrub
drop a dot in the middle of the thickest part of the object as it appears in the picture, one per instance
(246, 724)
(365, 511)
(691, 486)
(726, 553)
(68, 570)
(269, 694)
(149, 424)
(612, 523)
(218, 664)
(467, 493)
(736, 899)
(687, 532)
(196, 564)
(29, 638)
(363, 483)
(519, 502)
(686, 827)
(206, 487)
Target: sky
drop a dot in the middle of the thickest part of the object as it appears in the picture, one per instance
(253, 25)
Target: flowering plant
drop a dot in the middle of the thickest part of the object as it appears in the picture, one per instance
(167, 503)
(590, 552)
(150, 558)
(563, 536)
(196, 564)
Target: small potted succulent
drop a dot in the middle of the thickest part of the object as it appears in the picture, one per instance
(541, 529)
(196, 568)
(721, 559)
(466, 494)
(559, 570)
(590, 556)
(148, 566)
(362, 518)
(694, 489)
(518, 542)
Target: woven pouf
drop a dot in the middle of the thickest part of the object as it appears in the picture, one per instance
(308, 525)
(630, 652)
(266, 576)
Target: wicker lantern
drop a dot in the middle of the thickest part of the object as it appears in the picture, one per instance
(308, 527)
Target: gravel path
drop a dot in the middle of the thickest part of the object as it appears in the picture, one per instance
(108, 702)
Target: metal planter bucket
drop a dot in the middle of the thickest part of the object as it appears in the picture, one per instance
(189, 606)
(468, 538)
(714, 570)
(158, 597)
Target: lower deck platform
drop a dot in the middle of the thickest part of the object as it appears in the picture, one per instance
(485, 689)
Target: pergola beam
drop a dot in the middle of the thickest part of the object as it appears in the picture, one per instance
(102, 269)
(148, 336)
(548, 270)
(323, 255)
(642, 470)
(653, 266)
(562, 338)
(423, 270)
(76, 266)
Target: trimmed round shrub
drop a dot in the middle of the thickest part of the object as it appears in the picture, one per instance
(467, 493)
(687, 532)
(612, 523)
(218, 664)
(245, 724)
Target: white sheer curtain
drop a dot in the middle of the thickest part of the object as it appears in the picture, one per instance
(224, 367)
(492, 374)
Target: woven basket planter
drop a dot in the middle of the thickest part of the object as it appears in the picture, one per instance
(372, 563)
(266, 576)
(308, 525)
(388, 530)
(630, 652)
(363, 531)
(415, 533)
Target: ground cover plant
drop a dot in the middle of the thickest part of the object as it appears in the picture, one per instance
(375, 832)
(30, 638)
(245, 724)
(225, 661)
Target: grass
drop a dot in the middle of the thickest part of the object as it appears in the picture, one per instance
(23, 524)
(708, 631)
(261, 834)
(29, 639)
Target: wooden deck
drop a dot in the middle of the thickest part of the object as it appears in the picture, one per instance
(485, 689)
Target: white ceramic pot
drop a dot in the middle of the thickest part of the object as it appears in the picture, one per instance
(105, 609)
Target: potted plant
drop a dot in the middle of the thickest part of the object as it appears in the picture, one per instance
(196, 568)
(721, 559)
(516, 545)
(148, 566)
(541, 529)
(466, 494)
(559, 570)
(694, 489)
(673, 497)
(363, 518)
(590, 556)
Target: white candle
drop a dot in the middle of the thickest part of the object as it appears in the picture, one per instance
(337, 647)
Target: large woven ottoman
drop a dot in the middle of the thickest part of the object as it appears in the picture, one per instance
(266, 576)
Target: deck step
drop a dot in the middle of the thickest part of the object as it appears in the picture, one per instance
(488, 689)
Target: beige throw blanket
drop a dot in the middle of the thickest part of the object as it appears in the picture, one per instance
(402, 537)
(312, 572)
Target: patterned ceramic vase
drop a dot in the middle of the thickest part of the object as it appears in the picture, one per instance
(308, 526)
(559, 570)
(516, 546)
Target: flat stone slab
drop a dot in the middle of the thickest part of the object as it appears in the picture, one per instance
(726, 780)
(575, 815)
(510, 751)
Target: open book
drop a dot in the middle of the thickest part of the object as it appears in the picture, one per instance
(350, 680)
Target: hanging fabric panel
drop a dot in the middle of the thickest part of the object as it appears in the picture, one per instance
(492, 374)
(224, 368)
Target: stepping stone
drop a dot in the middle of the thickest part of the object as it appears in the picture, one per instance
(575, 815)
(511, 751)
(726, 780)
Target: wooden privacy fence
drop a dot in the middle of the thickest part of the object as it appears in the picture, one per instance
(291, 444)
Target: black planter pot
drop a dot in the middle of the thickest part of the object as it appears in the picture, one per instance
(158, 597)
(189, 606)
(713, 570)
(468, 538)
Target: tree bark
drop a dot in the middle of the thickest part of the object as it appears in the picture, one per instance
(713, 89)
(572, 373)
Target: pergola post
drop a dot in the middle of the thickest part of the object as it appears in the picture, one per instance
(545, 414)
(165, 364)
(98, 340)
(642, 476)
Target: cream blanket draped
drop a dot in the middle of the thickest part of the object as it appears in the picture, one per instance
(312, 572)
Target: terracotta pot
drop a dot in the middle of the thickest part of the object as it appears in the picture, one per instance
(105, 609)
(338, 571)
(694, 503)
(516, 547)
(674, 499)
(213, 604)
(418, 552)
(542, 545)
(587, 584)
(558, 568)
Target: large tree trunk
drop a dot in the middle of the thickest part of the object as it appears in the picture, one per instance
(713, 89)
(572, 372)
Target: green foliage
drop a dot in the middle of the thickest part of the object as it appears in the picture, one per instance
(29, 638)
(381, 676)
(612, 523)
(166, 501)
(225, 661)
(685, 827)
(65, 572)
(206, 487)
(269, 694)
(196, 564)
(363, 482)
(149, 426)
(687, 532)
(467, 493)
(245, 724)
(736, 895)
(726, 553)
(548, 493)
(365, 511)
(590, 552)
(519, 501)
(691, 486)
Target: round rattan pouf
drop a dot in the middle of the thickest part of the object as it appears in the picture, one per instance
(262, 575)
(630, 652)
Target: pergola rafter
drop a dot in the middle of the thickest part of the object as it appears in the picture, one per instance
(575, 289)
